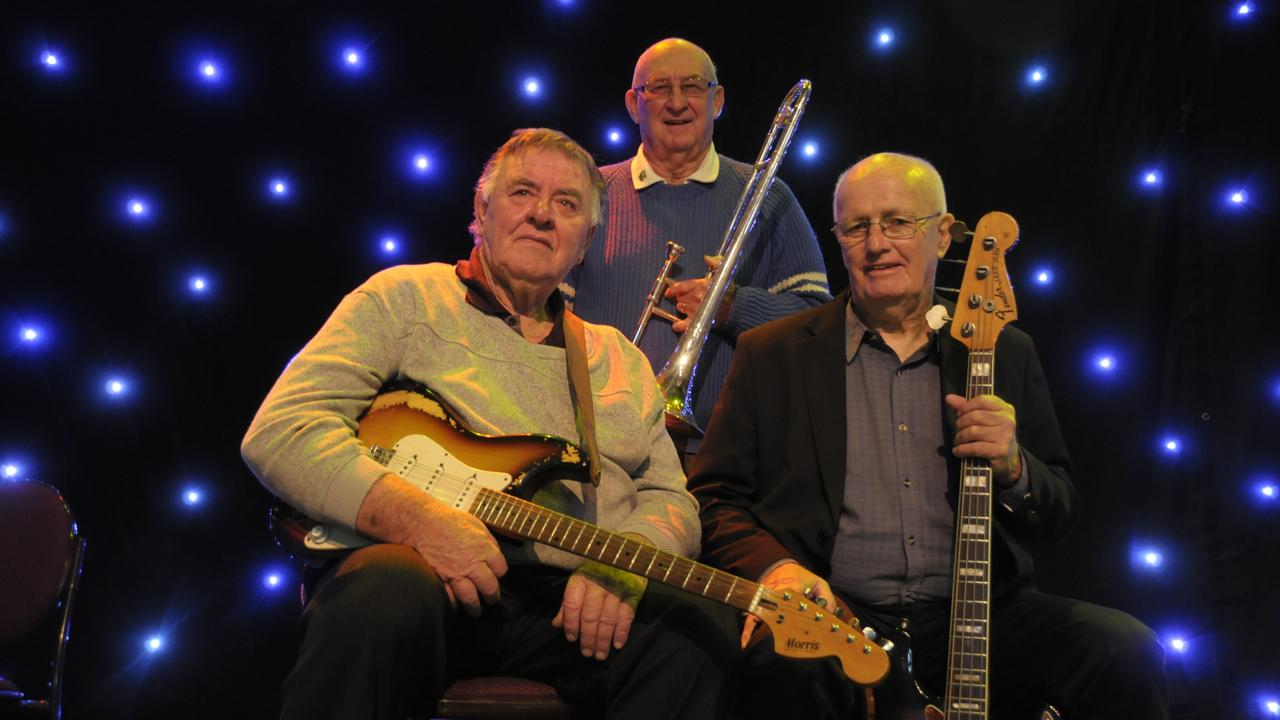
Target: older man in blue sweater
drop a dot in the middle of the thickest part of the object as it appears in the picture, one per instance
(678, 188)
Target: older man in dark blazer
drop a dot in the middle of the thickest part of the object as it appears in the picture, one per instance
(831, 467)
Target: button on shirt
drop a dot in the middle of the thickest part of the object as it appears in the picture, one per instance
(896, 531)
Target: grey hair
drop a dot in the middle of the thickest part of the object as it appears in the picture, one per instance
(540, 139)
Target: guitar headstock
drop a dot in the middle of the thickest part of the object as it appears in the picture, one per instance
(985, 303)
(805, 630)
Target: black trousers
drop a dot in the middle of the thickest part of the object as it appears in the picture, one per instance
(1086, 660)
(381, 641)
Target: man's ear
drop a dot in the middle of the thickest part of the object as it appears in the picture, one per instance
(633, 106)
(481, 207)
(944, 233)
(718, 104)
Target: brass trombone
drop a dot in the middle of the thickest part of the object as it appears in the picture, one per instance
(675, 381)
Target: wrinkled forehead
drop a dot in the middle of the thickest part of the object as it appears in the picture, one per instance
(541, 165)
(675, 60)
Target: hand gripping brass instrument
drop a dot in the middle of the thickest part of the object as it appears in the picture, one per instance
(676, 378)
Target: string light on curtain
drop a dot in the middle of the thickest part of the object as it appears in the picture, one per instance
(192, 496)
(137, 209)
(279, 189)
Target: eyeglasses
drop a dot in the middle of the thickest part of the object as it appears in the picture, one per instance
(692, 86)
(894, 227)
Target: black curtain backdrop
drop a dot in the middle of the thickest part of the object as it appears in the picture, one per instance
(1171, 280)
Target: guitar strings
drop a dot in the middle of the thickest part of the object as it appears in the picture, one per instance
(726, 585)
(966, 662)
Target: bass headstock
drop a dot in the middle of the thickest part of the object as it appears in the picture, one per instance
(805, 630)
(985, 303)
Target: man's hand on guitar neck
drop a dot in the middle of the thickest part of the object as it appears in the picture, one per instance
(456, 544)
(791, 575)
(987, 428)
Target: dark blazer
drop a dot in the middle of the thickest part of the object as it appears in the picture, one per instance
(769, 474)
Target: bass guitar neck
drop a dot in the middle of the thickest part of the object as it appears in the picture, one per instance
(984, 306)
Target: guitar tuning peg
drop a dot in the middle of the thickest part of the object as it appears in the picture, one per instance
(960, 233)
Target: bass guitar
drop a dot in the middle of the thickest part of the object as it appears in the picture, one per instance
(417, 436)
(984, 305)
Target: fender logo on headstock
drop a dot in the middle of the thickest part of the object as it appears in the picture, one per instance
(998, 289)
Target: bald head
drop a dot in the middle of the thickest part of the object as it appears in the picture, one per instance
(668, 51)
(916, 173)
(676, 116)
(893, 226)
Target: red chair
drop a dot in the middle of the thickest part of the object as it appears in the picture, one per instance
(41, 554)
(501, 698)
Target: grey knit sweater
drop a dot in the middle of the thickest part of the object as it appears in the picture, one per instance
(414, 322)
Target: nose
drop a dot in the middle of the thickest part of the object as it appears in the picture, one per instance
(540, 214)
(876, 241)
(678, 101)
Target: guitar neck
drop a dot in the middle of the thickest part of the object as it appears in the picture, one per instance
(966, 697)
(527, 521)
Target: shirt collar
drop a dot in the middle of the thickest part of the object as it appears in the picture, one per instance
(480, 296)
(643, 175)
(856, 332)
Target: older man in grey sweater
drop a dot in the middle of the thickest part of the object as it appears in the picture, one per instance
(491, 338)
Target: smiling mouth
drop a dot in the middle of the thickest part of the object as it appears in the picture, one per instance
(879, 267)
(684, 121)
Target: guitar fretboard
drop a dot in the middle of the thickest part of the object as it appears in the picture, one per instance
(528, 521)
(966, 697)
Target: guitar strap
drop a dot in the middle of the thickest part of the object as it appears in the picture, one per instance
(584, 411)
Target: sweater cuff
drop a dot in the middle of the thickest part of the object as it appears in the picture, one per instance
(349, 487)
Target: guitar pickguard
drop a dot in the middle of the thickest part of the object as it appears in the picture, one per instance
(424, 463)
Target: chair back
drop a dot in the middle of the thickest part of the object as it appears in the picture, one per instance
(38, 547)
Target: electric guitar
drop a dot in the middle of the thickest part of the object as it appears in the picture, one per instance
(984, 305)
(421, 439)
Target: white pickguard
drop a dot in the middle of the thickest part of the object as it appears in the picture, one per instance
(424, 463)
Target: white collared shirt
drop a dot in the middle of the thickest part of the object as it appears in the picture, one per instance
(643, 174)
